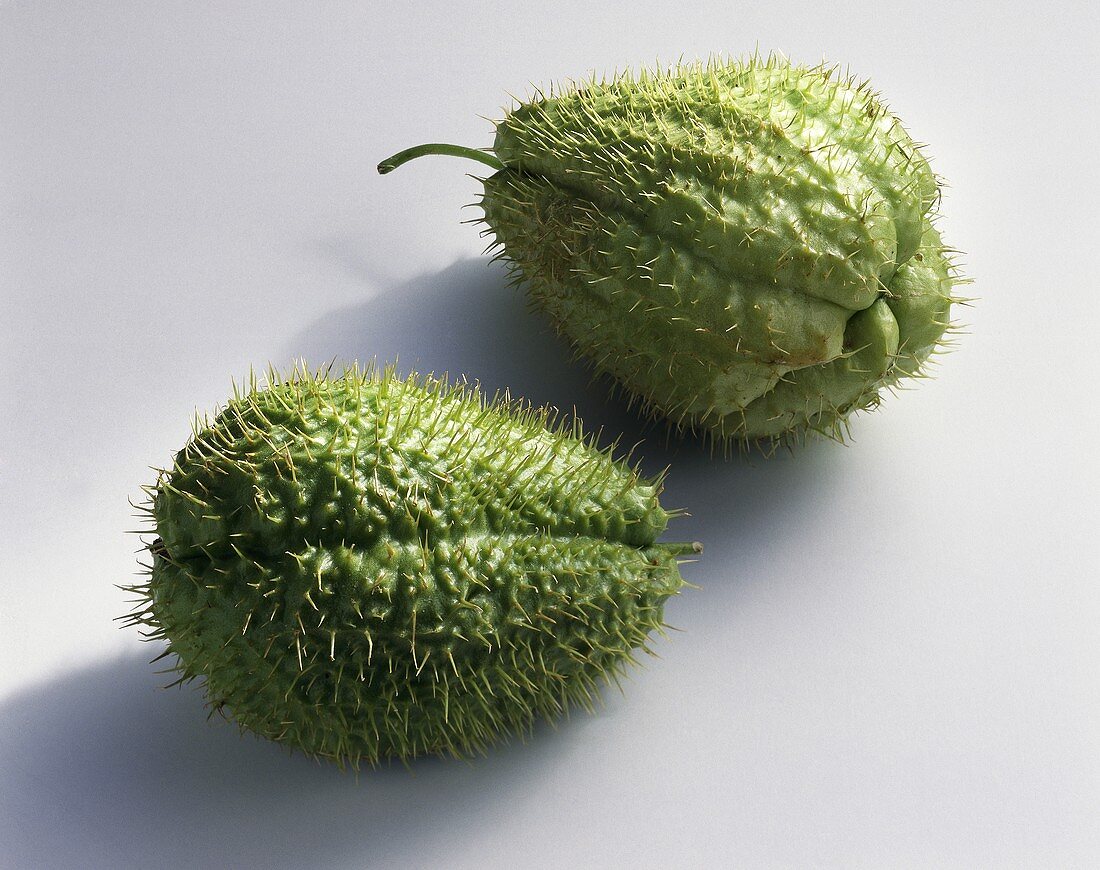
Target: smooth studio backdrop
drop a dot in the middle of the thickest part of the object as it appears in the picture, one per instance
(891, 658)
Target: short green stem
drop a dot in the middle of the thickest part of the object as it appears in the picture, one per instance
(391, 163)
(682, 548)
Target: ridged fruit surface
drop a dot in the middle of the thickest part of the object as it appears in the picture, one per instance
(746, 247)
(366, 567)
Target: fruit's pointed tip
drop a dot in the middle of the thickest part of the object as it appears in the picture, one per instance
(683, 549)
(385, 167)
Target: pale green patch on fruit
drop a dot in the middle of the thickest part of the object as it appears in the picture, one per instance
(366, 567)
(748, 248)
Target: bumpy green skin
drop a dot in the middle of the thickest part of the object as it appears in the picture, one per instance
(365, 567)
(746, 247)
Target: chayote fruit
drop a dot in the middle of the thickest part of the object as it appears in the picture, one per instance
(747, 247)
(364, 567)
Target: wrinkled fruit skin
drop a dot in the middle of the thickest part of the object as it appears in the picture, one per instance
(367, 567)
(747, 248)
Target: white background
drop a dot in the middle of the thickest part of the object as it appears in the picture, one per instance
(892, 660)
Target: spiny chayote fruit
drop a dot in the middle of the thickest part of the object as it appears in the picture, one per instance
(747, 247)
(364, 567)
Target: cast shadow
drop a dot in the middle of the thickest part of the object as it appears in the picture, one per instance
(104, 768)
(465, 321)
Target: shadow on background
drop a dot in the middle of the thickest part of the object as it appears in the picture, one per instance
(104, 768)
(465, 321)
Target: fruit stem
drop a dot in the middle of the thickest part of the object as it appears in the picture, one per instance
(391, 163)
(682, 548)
